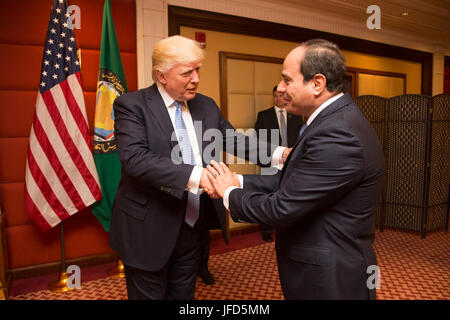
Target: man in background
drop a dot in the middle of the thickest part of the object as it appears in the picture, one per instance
(288, 125)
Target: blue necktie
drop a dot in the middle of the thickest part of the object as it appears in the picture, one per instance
(193, 201)
(302, 129)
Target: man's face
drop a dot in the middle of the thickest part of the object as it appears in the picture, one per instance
(181, 81)
(299, 95)
(278, 100)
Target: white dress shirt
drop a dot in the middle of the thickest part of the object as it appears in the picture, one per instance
(308, 122)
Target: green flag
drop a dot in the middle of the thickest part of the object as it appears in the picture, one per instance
(111, 84)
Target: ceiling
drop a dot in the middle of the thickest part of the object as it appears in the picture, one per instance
(429, 19)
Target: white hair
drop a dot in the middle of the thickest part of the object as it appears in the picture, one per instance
(172, 51)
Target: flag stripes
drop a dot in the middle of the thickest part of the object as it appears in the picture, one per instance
(61, 178)
(53, 160)
(80, 119)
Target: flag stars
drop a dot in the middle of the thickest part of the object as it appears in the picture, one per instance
(67, 58)
(69, 48)
(55, 76)
(63, 34)
(56, 66)
(46, 62)
(67, 15)
(55, 20)
(49, 52)
(72, 39)
(50, 41)
(66, 69)
(61, 1)
(58, 10)
(65, 24)
(61, 45)
(77, 63)
(53, 30)
(59, 55)
(42, 84)
(44, 73)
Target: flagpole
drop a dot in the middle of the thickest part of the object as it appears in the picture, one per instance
(111, 73)
(61, 284)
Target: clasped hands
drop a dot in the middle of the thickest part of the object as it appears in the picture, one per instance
(217, 177)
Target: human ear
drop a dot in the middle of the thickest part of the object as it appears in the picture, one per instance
(319, 84)
(161, 77)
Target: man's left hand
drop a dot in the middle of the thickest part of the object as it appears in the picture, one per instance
(221, 177)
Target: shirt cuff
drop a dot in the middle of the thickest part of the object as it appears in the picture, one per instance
(277, 158)
(241, 180)
(194, 180)
(226, 196)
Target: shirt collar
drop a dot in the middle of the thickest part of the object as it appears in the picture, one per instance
(168, 100)
(323, 106)
(278, 109)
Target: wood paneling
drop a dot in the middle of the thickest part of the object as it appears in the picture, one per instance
(223, 56)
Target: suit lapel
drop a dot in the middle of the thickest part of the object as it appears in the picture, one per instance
(274, 123)
(274, 119)
(308, 128)
(292, 129)
(156, 106)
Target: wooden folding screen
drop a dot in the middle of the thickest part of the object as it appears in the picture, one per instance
(374, 108)
(414, 131)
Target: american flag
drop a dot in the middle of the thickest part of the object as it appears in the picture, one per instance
(61, 178)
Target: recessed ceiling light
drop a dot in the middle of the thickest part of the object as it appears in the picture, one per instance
(404, 13)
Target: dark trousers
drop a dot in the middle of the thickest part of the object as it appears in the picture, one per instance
(176, 280)
(204, 255)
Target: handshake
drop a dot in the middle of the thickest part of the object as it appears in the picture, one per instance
(217, 177)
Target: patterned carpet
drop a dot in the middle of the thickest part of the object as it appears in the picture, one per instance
(411, 268)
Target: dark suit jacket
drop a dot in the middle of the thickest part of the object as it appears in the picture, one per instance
(150, 203)
(267, 119)
(323, 206)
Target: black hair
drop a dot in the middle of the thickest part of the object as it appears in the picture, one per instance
(324, 57)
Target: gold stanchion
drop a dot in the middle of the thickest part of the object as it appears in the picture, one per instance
(117, 271)
(60, 285)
